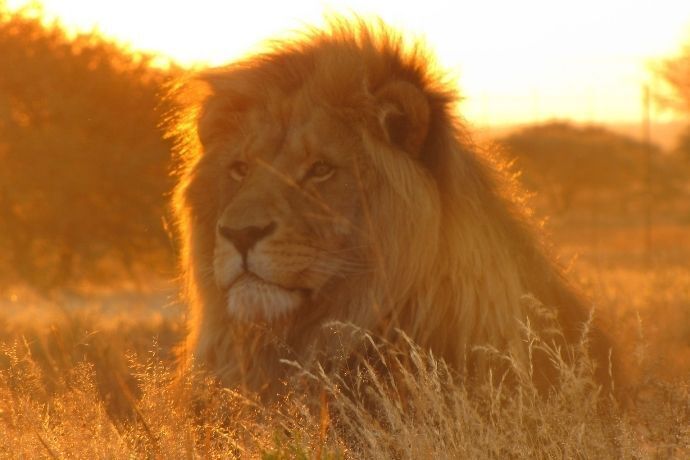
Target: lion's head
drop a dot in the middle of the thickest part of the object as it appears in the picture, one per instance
(329, 179)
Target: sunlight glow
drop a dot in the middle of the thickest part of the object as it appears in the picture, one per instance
(515, 61)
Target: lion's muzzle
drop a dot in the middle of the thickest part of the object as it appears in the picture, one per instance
(246, 238)
(243, 273)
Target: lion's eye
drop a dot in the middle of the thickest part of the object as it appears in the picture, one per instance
(320, 171)
(238, 170)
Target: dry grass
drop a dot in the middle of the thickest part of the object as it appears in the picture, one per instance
(81, 383)
(76, 396)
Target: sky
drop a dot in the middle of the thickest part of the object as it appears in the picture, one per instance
(516, 61)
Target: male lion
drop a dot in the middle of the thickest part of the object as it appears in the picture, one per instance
(329, 179)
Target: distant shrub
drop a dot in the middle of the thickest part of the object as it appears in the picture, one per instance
(564, 162)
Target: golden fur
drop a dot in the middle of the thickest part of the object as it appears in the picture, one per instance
(330, 179)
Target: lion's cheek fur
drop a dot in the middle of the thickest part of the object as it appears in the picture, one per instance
(227, 264)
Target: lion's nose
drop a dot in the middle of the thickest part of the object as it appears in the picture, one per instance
(245, 238)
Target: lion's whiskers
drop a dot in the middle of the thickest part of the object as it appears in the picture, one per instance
(339, 267)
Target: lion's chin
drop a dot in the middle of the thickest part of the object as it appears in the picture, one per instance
(251, 298)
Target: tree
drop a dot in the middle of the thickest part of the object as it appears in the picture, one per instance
(675, 93)
(562, 161)
(675, 74)
(84, 165)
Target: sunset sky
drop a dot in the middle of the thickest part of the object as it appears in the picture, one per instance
(516, 61)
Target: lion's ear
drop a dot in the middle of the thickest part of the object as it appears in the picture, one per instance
(404, 115)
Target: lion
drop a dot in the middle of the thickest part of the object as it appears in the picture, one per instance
(329, 178)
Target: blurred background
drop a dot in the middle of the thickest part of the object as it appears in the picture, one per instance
(590, 101)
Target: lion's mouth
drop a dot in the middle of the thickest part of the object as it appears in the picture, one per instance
(251, 297)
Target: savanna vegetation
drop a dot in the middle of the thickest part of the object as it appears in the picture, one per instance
(84, 166)
(89, 318)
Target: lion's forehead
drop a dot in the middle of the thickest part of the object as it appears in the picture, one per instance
(281, 150)
(290, 134)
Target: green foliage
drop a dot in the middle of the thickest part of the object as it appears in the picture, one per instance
(84, 166)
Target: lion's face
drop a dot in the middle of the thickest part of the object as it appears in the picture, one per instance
(291, 191)
(289, 209)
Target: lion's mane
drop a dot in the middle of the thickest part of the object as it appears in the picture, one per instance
(456, 255)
